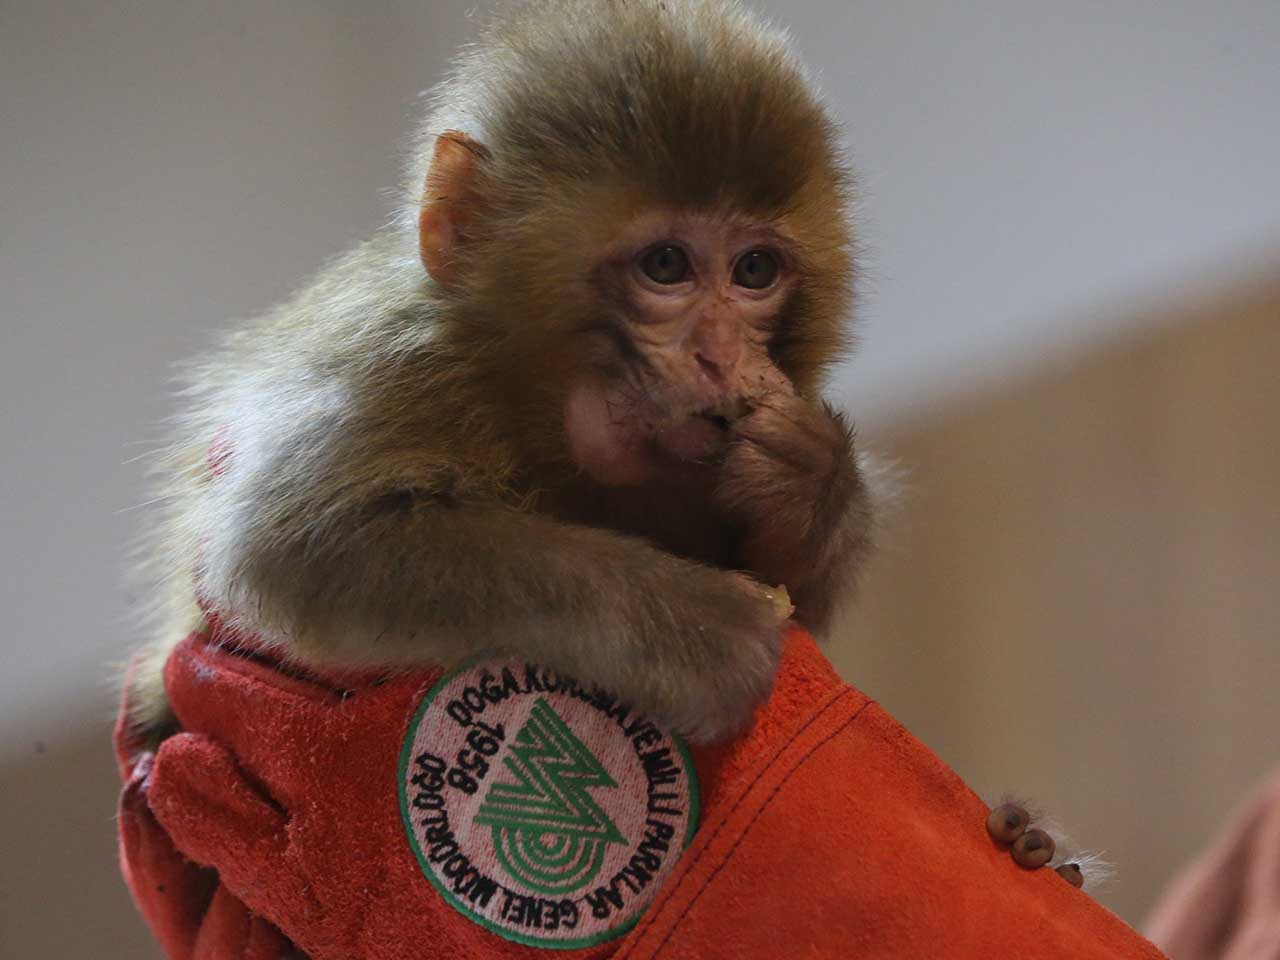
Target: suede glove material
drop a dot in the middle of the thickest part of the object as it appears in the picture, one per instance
(190, 913)
(827, 830)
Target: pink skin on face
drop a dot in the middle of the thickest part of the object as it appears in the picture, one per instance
(704, 335)
(610, 450)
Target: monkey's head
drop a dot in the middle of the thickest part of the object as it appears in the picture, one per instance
(649, 208)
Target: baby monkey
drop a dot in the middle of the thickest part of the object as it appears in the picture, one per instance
(567, 406)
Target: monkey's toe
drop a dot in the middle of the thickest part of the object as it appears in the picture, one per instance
(1010, 826)
(1033, 849)
(1007, 822)
(1070, 872)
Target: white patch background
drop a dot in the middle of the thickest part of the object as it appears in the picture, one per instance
(438, 733)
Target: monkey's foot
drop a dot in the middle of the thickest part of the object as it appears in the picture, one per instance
(1010, 826)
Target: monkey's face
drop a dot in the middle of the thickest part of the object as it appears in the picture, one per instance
(639, 347)
(692, 304)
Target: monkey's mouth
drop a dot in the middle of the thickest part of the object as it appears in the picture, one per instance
(699, 438)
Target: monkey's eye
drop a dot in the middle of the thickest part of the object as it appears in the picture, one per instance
(755, 270)
(666, 265)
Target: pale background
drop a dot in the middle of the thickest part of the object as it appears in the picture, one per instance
(1072, 220)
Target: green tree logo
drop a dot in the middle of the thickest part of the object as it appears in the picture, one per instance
(548, 831)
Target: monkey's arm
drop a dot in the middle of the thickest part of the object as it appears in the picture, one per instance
(792, 477)
(406, 578)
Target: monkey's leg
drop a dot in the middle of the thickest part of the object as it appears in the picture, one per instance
(1010, 825)
(146, 711)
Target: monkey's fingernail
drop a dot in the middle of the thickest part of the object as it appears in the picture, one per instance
(781, 600)
(1007, 822)
(1070, 872)
(1033, 849)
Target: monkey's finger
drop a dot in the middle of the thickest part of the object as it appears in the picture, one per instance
(794, 425)
(216, 817)
(777, 450)
(777, 597)
(781, 600)
(802, 436)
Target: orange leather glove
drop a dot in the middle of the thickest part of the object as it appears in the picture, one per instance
(498, 815)
(189, 912)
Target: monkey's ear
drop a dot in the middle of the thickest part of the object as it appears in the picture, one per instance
(449, 198)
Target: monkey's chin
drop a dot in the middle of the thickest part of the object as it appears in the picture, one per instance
(625, 452)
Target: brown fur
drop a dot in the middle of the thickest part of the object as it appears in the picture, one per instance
(395, 486)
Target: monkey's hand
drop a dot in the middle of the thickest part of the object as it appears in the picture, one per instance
(791, 478)
(717, 664)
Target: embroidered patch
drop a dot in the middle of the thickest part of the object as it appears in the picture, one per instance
(547, 813)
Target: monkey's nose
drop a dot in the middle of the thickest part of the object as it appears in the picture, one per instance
(710, 369)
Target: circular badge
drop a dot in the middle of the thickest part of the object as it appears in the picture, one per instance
(546, 812)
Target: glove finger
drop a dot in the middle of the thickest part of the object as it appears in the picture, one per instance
(267, 718)
(272, 719)
(231, 932)
(171, 893)
(218, 818)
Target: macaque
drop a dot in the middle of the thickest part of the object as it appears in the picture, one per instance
(567, 406)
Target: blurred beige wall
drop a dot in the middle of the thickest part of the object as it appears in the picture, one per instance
(1080, 599)
(164, 167)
